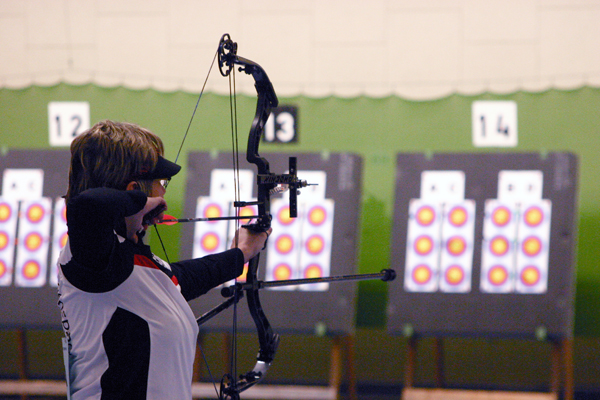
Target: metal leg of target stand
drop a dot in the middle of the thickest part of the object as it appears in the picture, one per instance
(438, 354)
(562, 368)
(411, 362)
(335, 372)
(23, 367)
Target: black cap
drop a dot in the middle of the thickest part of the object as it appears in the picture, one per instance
(164, 169)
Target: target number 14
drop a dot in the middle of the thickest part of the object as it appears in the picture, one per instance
(494, 123)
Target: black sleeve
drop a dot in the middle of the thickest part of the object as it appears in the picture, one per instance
(199, 275)
(92, 218)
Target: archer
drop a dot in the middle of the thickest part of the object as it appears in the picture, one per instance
(131, 333)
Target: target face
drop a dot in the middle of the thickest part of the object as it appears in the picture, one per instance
(60, 237)
(302, 243)
(457, 236)
(533, 240)
(423, 246)
(31, 268)
(498, 247)
(8, 230)
(210, 237)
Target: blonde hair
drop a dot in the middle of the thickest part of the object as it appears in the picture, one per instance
(112, 154)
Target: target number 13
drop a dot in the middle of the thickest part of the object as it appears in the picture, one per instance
(282, 125)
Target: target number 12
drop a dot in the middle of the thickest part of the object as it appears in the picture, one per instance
(67, 119)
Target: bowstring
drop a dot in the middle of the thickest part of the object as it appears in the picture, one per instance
(236, 184)
(196, 107)
(176, 159)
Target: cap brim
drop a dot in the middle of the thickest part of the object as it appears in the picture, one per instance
(164, 169)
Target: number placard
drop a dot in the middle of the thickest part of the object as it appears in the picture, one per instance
(494, 123)
(67, 119)
(282, 125)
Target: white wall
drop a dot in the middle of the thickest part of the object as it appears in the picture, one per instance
(418, 49)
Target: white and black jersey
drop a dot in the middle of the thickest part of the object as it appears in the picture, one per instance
(130, 331)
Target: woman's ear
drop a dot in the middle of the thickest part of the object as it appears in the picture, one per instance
(133, 185)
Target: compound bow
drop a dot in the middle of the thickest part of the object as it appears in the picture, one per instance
(268, 183)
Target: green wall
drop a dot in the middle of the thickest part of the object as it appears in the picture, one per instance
(376, 129)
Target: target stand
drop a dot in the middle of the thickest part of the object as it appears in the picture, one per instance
(561, 377)
(484, 246)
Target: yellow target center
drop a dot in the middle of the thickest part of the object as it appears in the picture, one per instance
(31, 270)
(317, 216)
(530, 276)
(454, 275)
(501, 216)
(3, 240)
(456, 246)
(498, 275)
(422, 274)
(282, 272)
(210, 241)
(212, 211)
(284, 244)
(313, 271)
(532, 246)
(284, 216)
(33, 241)
(499, 246)
(35, 213)
(458, 216)
(425, 215)
(314, 245)
(533, 216)
(423, 245)
(5, 212)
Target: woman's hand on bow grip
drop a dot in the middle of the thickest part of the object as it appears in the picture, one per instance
(250, 243)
